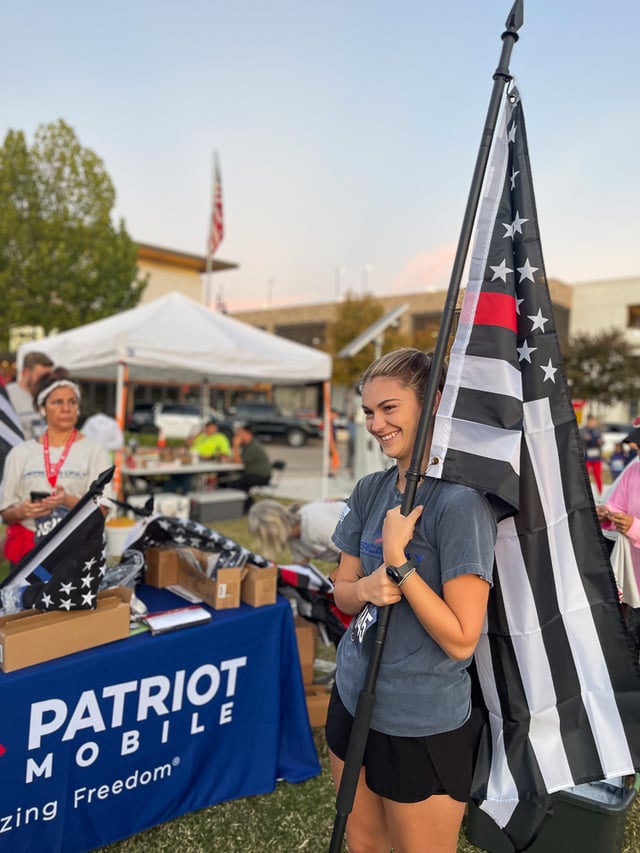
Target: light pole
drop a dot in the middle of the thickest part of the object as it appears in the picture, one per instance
(366, 269)
(339, 272)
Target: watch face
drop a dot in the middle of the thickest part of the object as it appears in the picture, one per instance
(398, 573)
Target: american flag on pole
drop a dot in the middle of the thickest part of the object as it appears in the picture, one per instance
(217, 220)
(10, 429)
(559, 687)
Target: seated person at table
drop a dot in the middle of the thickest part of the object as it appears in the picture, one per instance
(248, 451)
(210, 443)
(45, 477)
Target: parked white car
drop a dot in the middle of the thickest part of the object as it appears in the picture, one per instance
(612, 434)
(178, 420)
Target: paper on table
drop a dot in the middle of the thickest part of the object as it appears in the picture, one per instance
(181, 617)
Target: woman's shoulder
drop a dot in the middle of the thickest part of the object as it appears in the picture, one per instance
(25, 448)
(457, 493)
(90, 447)
(378, 478)
(373, 485)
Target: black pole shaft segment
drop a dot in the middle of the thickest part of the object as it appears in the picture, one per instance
(366, 699)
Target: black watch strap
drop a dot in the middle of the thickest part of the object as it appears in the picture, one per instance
(399, 574)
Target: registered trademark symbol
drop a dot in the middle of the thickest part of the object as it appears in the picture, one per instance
(175, 761)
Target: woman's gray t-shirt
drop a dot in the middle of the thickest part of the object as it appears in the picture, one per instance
(419, 690)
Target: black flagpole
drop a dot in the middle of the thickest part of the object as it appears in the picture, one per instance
(366, 699)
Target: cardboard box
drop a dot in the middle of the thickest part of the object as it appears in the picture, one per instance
(317, 697)
(31, 636)
(307, 636)
(168, 566)
(259, 585)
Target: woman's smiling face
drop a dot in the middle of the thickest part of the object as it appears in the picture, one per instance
(391, 414)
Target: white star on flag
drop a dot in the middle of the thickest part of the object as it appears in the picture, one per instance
(518, 304)
(67, 588)
(515, 227)
(66, 604)
(526, 271)
(537, 320)
(525, 351)
(501, 272)
(47, 600)
(512, 178)
(87, 598)
(512, 132)
(549, 371)
(87, 580)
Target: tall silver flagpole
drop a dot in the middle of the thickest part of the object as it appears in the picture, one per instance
(212, 211)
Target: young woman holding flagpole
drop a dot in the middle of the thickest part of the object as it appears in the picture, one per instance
(435, 566)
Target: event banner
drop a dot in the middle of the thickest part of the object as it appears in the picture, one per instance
(105, 743)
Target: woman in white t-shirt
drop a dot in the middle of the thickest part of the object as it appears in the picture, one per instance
(44, 478)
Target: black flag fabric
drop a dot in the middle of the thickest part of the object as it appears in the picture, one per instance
(10, 429)
(65, 569)
(559, 686)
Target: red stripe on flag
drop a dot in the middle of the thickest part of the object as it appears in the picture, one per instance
(496, 309)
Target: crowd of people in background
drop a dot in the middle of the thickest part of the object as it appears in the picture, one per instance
(624, 452)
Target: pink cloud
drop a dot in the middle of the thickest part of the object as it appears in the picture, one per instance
(427, 271)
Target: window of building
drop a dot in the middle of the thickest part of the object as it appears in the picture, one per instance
(633, 317)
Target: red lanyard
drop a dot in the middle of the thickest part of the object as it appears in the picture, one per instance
(52, 472)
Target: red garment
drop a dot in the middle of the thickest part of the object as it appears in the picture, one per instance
(19, 542)
(594, 467)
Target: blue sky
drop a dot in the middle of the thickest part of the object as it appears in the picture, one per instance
(347, 130)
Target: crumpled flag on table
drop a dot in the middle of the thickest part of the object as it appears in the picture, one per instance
(163, 531)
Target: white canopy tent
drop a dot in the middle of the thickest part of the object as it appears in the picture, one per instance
(174, 339)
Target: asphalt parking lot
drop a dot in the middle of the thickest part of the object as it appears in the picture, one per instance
(303, 478)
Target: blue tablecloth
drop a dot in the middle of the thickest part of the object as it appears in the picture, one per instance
(102, 744)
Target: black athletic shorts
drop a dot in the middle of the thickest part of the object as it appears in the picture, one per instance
(407, 769)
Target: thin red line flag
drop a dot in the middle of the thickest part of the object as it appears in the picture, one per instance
(560, 689)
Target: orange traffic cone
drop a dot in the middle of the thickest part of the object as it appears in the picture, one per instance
(162, 441)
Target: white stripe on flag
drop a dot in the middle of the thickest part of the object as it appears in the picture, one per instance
(494, 375)
(9, 413)
(528, 645)
(495, 443)
(500, 807)
(597, 692)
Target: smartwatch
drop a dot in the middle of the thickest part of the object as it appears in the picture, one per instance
(399, 574)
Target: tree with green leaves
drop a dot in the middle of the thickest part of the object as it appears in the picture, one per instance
(602, 369)
(62, 261)
(354, 315)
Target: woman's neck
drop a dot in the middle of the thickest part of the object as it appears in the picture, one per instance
(58, 438)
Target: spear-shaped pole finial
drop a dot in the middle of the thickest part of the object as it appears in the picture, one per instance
(516, 17)
(509, 38)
